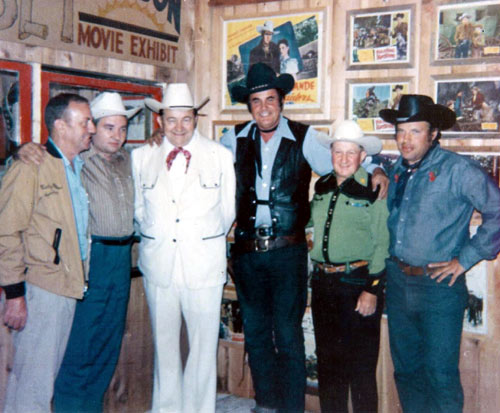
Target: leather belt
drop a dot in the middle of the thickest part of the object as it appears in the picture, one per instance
(334, 268)
(117, 241)
(264, 245)
(408, 269)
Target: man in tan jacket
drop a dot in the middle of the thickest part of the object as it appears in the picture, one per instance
(43, 247)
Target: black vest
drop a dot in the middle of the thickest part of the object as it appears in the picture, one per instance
(289, 192)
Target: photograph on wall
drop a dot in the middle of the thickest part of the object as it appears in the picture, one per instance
(220, 127)
(468, 31)
(379, 37)
(288, 44)
(365, 100)
(476, 103)
(140, 125)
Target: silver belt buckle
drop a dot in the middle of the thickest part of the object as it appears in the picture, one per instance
(263, 232)
(258, 247)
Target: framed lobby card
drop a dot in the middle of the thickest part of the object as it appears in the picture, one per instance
(365, 100)
(475, 102)
(467, 33)
(380, 38)
(294, 45)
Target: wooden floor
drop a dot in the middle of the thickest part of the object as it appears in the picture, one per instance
(233, 404)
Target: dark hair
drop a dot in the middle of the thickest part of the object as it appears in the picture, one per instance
(281, 96)
(57, 106)
(284, 41)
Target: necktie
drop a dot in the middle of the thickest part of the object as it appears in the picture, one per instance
(173, 153)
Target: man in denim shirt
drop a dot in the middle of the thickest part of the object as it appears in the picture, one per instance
(432, 195)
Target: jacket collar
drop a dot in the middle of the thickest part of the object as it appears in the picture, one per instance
(52, 149)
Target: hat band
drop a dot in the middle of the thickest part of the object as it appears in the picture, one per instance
(261, 86)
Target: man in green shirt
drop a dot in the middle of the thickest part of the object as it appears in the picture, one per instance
(349, 252)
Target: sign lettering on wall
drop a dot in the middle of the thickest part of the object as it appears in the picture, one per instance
(147, 31)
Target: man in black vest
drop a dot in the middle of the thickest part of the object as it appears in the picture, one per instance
(273, 161)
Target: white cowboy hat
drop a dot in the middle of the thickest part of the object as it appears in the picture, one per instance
(350, 131)
(110, 104)
(268, 26)
(177, 96)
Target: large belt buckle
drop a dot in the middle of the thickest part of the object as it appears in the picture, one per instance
(263, 235)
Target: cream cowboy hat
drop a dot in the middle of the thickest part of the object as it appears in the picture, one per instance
(177, 96)
(110, 104)
(268, 26)
(350, 131)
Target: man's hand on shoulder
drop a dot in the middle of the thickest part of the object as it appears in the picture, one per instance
(15, 313)
(380, 179)
(31, 153)
(442, 269)
(156, 138)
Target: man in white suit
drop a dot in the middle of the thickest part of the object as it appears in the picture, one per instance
(184, 206)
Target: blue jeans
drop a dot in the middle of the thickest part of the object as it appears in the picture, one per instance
(425, 327)
(272, 291)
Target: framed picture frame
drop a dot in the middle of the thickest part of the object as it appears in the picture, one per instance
(133, 94)
(364, 100)
(220, 127)
(466, 33)
(380, 38)
(476, 103)
(289, 43)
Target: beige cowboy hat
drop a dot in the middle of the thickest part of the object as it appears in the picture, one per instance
(177, 96)
(268, 26)
(350, 131)
(110, 104)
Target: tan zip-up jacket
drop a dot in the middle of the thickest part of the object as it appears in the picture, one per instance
(34, 202)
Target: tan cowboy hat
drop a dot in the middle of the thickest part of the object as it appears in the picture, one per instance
(350, 131)
(268, 26)
(177, 96)
(110, 104)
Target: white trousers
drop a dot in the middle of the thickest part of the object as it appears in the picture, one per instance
(38, 351)
(194, 390)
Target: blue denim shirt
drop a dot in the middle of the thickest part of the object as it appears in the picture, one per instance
(432, 222)
(79, 199)
(317, 155)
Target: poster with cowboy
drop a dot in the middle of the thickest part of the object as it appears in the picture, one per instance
(287, 43)
(468, 31)
(381, 36)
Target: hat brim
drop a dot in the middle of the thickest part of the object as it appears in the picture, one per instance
(102, 113)
(156, 106)
(438, 116)
(370, 144)
(284, 82)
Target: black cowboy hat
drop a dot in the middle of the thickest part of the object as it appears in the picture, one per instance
(261, 77)
(415, 108)
(398, 15)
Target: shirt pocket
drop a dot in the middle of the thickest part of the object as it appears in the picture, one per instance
(210, 181)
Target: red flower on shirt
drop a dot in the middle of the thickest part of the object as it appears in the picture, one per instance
(432, 176)
(396, 178)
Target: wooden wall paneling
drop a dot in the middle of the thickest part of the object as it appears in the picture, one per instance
(130, 389)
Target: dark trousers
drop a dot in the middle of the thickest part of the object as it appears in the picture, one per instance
(347, 345)
(425, 327)
(272, 291)
(95, 340)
